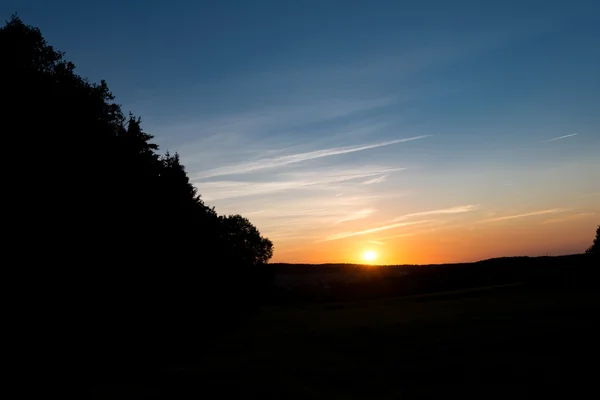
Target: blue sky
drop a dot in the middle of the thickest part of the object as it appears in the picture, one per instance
(324, 121)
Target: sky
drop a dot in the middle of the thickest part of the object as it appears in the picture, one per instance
(424, 131)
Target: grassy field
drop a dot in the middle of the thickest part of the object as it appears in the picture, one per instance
(508, 340)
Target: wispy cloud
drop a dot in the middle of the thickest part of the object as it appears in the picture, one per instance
(313, 213)
(561, 137)
(568, 218)
(344, 235)
(384, 239)
(450, 210)
(360, 214)
(375, 180)
(318, 180)
(270, 118)
(530, 214)
(296, 158)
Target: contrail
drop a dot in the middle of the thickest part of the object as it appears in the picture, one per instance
(295, 158)
(561, 137)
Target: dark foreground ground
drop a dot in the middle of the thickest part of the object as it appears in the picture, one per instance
(514, 340)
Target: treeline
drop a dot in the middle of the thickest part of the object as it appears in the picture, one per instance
(594, 249)
(113, 238)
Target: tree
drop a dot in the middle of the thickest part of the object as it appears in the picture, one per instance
(595, 247)
(248, 246)
(120, 243)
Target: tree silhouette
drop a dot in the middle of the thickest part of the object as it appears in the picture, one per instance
(121, 243)
(245, 240)
(595, 247)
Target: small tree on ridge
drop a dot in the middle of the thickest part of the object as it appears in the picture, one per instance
(595, 247)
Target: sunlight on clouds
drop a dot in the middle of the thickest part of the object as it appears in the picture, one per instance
(344, 235)
(383, 240)
(568, 218)
(298, 216)
(530, 214)
(309, 206)
(397, 224)
(360, 214)
(442, 211)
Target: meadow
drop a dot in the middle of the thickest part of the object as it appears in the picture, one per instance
(517, 339)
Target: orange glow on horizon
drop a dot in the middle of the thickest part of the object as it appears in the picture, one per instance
(451, 243)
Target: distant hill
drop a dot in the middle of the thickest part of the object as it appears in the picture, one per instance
(341, 282)
(342, 267)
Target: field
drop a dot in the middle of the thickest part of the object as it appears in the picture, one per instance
(505, 340)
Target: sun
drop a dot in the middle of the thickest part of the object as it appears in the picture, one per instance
(369, 255)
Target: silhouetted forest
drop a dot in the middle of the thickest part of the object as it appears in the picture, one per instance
(125, 261)
(595, 247)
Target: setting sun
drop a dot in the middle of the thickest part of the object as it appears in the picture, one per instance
(369, 255)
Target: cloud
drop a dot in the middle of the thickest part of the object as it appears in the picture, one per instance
(451, 210)
(361, 214)
(313, 209)
(530, 214)
(382, 240)
(561, 137)
(272, 118)
(295, 158)
(344, 235)
(281, 216)
(568, 218)
(310, 180)
(375, 180)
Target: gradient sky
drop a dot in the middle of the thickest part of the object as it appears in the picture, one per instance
(427, 131)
